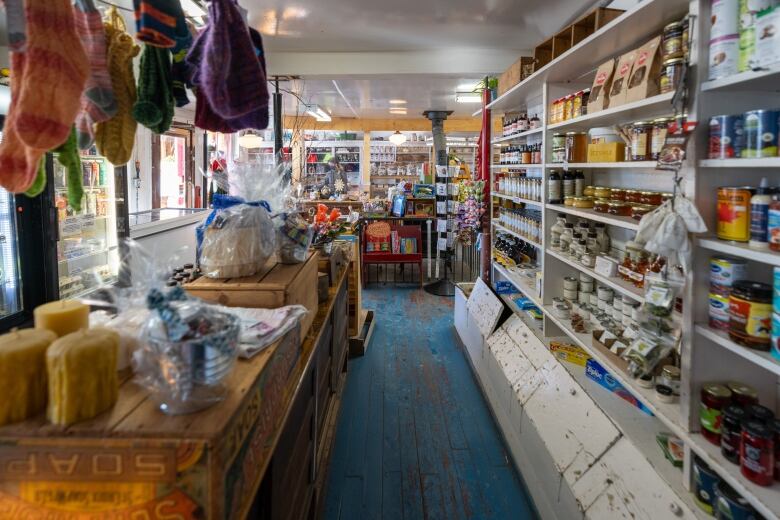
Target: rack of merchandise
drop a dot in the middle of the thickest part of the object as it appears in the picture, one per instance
(348, 153)
(529, 211)
(409, 162)
(466, 152)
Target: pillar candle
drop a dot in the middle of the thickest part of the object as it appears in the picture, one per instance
(23, 373)
(62, 317)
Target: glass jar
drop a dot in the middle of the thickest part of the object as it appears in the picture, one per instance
(672, 41)
(601, 192)
(556, 230)
(568, 102)
(601, 205)
(558, 148)
(633, 196)
(731, 432)
(742, 394)
(582, 202)
(651, 198)
(568, 201)
(576, 147)
(576, 104)
(757, 453)
(619, 209)
(671, 74)
(750, 309)
(640, 210)
(714, 398)
(602, 237)
(666, 196)
(658, 136)
(589, 191)
(585, 99)
(554, 188)
(592, 243)
(686, 23)
(579, 183)
(617, 194)
(640, 140)
(568, 184)
(567, 236)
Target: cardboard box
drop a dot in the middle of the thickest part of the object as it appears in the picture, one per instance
(619, 88)
(601, 375)
(516, 73)
(606, 152)
(569, 353)
(599, 91)
(645, 72)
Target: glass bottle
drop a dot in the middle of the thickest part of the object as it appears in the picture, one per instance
(568, 184)
(624, 270)
(575, 241)
(579, 183)
(567, 236)
(592, 243)
(659, 262)
(554, 190)
(602, 237)
(556, 230)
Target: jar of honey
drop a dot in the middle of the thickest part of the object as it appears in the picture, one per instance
(640, 210)
(619, 209)
(640, 140)
(576, 147)
(633, 197)
(589, 191)
(582, 202)
(602, 192)
(651, 198)
(568, 201)
(601, 205)
(617, 194)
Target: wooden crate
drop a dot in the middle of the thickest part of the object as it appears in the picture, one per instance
(562, 42)
(274, 286)
(543, 54)
(516, 73)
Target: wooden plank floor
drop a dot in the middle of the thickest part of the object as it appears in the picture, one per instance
(415, 437)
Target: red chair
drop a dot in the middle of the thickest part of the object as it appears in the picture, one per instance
(383, 257)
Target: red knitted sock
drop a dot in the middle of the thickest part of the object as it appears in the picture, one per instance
(18, 162)
(55, 73)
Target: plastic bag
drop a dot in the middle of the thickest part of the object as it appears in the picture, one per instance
(294, 236)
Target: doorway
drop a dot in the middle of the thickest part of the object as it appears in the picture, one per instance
(173, 161)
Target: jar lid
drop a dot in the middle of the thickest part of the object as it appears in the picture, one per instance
(673, 25)
(617, 190)
(649, 193)
(558, 135)
(757, 429)
(673, 61)
(742, 389)
(735, 412)
(569, 279)
(660, 120)
(717, 390)
(757, 290)
(641, 123)
(671, 371)
(760, 413)
(663, 390)
(617, 204)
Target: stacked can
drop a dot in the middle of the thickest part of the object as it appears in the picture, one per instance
(724, 38)
(724, 271)
(776, 314)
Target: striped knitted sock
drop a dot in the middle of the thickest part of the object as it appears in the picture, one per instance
(15, 24)
(55, 73)
(156, 21)
(98, 102)
(18, 162)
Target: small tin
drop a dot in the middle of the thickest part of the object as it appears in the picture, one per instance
(726, 137)
(730, 505)
(724, 271)
(760, 134)
(724, 56)
(776, 290)
(705, 481)
(734, 213)
(724, 18)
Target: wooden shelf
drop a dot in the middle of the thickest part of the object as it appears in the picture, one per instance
(742, 250)
(623, 222)
(659, 105)
(615, 283)
(522, 166)
(536, 328)
(518, 200)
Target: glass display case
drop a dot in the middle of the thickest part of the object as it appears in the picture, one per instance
(10, 278)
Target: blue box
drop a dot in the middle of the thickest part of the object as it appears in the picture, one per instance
(503, 287)
(601, 375)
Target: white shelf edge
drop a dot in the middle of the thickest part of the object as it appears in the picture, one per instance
(742, 79)
(631, 292)
(522, 166)
(537, 330)
(518, 135)
(742, 251)
(647, 103)
(518, 235)
(623, 222)
(763, 162)
(517, 200)
(762, 359)
(527, 290)
(608, 165)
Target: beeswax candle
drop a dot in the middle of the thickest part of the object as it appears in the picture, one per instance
(23, 373)
(62, 317)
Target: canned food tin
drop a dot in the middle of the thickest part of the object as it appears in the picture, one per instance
(726, 137)
(760, 134)
(724, 55)
(776, 335)
(747, 35)
(724, 18)
(776, 290)
(719, 312)
(734, 213)
(724, 271)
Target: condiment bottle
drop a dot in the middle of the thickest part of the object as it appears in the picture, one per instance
(624, 270)
(534, 122)
(757, 452)
(556, 230)
(568, 184)
(579, 183)
(602, 237)
(554, 188)
(759, 216)
(639, 270)
(567, 236)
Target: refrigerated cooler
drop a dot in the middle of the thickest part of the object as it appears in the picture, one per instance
(10, 276)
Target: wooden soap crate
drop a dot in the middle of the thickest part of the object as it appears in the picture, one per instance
(276, 285)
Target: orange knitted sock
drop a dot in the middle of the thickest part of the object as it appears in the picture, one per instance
(56, 71)
(18, 162)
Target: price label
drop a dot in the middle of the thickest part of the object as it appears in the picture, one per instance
(70, 227)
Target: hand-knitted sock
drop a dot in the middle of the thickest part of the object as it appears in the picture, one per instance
(97, 102)
(40, 180)
(180, 70)
(115, 137)
(15, 24)
(55, 73)
(156, 21)
(68, 156)
(18, 162)
(154, 107)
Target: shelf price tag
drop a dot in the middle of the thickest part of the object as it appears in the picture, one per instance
(70, 227)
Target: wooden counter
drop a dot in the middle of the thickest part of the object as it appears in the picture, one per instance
(136, 462)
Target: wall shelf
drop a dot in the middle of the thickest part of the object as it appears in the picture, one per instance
(516, 234)
(612, 220)
(518, 200)
(741, 250)
(759, 80)
(608, 165)
(762, 359)
(659, 105)
(763, 162)
(518, 135)
(615, 283)
(528, 290)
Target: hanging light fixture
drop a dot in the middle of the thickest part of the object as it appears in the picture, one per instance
(250, 139)
(397, 138)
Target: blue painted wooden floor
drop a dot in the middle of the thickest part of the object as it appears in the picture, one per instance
(415, 437)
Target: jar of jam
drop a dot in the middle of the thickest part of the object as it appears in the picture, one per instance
(731, 432)
(672, 41)
(617, 194)
(750, 314)
(651, 198)
(658, 136)
(601, 192)
(601, 205)
(640, 210)
(760, 413)
(619, 209)
(666, 196)
(589, 191)
(714, 398)
(757, 453)
(640, 140)
(742, 394)
(576, 147)
(671, 74)
(633, 197)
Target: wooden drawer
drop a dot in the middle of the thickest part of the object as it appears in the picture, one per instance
(292, 478)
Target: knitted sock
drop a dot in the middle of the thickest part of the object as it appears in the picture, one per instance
(55, 73)
(15, 24)
(155, 104)
(97, 102)
(180, 70)
(40, 180)
(156, 21)
(18, 162)
(68, 156)
(115, 138)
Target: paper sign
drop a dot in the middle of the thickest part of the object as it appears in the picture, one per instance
(441, 208)
(71, 226)
(87, 223)
(441, 226)
(441, 189)
(441, 244)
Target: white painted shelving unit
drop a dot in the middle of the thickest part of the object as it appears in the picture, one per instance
(707, 355)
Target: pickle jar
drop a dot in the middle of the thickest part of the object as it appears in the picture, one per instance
(671, 73)
(640, 140)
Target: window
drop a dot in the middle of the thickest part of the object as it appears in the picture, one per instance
(172, 169)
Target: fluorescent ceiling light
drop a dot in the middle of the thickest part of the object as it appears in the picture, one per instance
(397, 101)
(318, 113)
(468, 87)
(398, 111)
(397, 138)
(250, 140)
(468, 97)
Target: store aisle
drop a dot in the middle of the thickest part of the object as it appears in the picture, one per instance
(415, 437)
